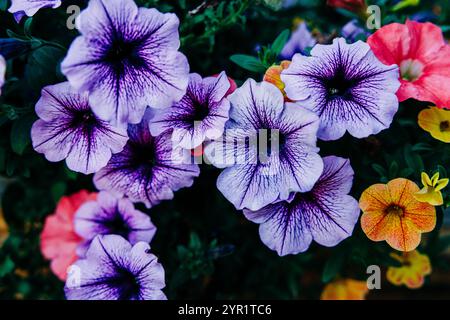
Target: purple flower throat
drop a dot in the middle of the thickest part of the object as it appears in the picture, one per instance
(124, 54)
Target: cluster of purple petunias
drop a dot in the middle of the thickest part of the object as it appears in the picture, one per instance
(125, 63)
(130, 112)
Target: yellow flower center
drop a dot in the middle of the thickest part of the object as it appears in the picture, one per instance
(395, 209)
(444, 126)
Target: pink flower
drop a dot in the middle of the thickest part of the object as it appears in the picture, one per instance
(59, 241)
(421, 53)
(358, 6)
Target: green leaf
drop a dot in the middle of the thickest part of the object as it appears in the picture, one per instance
(195, 242)
(14, 35)
(442, 172)
(42, 67)
(6, 267)
(393, 170)
(3, 5)
(249, 63)
(405, 4)
(58, 190)
(72, 175)
(27, 27)
(279, 42)
(332, 267)
(413, 160)
(406, 172)
(379, 169)
(20, 133)
(418, 147)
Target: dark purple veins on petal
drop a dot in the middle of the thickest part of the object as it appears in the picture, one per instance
(124, 54)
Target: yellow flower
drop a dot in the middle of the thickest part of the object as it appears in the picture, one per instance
(345, 289)
(431, 191)
(437, 122)
(296, 22)
(273, 76)
(415, 267)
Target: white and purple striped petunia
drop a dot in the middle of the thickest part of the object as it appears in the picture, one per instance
(200, 115)
(289, 162)
(149, 169)
(300, 40)
(115, 270)
(127, 58)
(68, 129)
(21, 8)
(2, 72)
(112, 215)
(326, 214)
(346, 86)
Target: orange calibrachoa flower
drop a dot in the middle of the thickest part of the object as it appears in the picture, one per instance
(391, 213)
(437, 122)
(272, 75)
(415, 267)
(345, 289)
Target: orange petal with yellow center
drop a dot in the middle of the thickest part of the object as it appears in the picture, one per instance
(402, 191)
(391, 213)
(422, 215)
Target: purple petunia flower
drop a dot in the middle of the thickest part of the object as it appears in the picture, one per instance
(326, 214)
(20, 8)
(300, 40)
(2, 72)
(260, 173)
(201, 114)
(149, 168)
(352, 31)
(346, 86)
(116, 270)
(68, 129)
(112, 215)
(127, 58)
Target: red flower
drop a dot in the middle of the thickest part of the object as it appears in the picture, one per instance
(358, 6)
(421, 53)
(58, 238)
